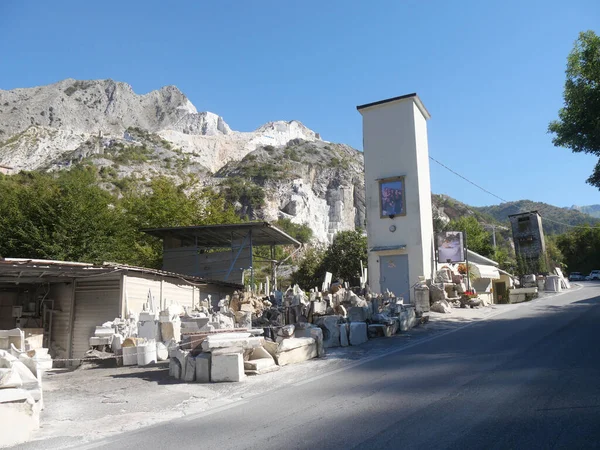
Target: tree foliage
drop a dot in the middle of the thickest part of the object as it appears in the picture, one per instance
(478, 239)
(166, 204)
(580, 248)
(554, 254)
(342, 258)
(301, 232)
(63, 217)
(67, 216)
(310, 271)
(578, 124)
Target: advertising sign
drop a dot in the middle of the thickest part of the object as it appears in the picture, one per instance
(450, 245)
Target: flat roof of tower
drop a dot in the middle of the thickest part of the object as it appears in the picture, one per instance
(526, 213)
(395, 99)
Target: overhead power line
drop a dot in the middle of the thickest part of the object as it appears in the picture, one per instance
(498, 197)
(467, 180)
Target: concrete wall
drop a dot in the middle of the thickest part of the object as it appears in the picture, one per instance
(167, 290)
(136, 288)
(395, 144)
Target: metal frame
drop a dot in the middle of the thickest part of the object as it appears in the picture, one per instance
(222, 236)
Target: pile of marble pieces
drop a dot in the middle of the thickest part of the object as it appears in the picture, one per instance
(225, 355)
(141, 339)
(448, 290)
(222, 355)
(351, 318)
(21, 398)
(250, 335)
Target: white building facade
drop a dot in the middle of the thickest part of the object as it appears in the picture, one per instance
(398, 194)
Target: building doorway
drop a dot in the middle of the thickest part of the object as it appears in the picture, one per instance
(394, 275)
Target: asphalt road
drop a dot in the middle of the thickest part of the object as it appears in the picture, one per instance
(526, 378)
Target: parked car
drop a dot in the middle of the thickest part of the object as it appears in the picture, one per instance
(576, 276)
(594, 275)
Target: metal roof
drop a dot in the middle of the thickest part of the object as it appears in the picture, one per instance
(215, 236)
(525, 213)
(35, 271)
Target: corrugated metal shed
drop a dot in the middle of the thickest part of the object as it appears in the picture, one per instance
(87, 295)
(96, 302)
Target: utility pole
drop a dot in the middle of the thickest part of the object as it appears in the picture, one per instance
(493, 227)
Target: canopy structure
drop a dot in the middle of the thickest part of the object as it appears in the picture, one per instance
(192, 250)
(485, 271)
(219, 236)
(15, 271)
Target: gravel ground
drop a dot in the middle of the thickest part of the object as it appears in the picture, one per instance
(91, 402)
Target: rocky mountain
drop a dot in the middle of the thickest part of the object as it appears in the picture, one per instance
(41, 125)
(282, 169)
(591, 210)
(315, 183)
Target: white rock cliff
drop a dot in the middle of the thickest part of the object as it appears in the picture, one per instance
(43, 127)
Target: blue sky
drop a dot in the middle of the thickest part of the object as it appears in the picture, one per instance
(490, 72)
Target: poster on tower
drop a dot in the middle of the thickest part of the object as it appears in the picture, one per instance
(392, 197)
(450, 246)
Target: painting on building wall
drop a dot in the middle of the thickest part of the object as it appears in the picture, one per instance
(391, 197)
(450, 246)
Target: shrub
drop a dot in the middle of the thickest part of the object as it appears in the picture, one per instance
(239, 190)
(292, 153)
(301, 232)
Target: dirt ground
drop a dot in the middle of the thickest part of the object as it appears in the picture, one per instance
(91, 401)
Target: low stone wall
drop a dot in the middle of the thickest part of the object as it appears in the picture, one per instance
(519, 295)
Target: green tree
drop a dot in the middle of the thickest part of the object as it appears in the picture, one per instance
(554, 254)
(578, 124)
(580, 248)
(64, 216)
(67, 216)
(302, 233)
(246, 192)
(311, 271)
(342, 258)
(167, 204)
(505, 260)
(478, 239)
